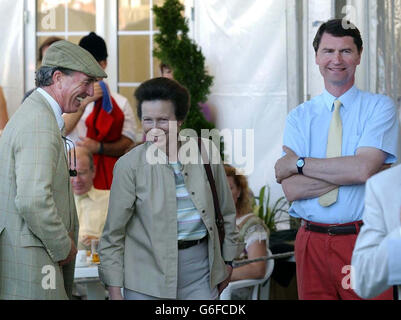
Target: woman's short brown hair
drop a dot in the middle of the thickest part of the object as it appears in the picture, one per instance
(166, 90)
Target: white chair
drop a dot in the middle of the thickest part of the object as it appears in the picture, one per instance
(261, 287)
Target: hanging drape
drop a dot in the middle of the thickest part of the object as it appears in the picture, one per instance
(11, 52)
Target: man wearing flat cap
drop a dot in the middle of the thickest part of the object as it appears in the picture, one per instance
(38, 220)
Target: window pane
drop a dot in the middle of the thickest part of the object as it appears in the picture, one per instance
(133, 15)
(156, 63)
(39, 42)
(75, 39)
(50, 15)
(82, 15)
(156, 68)
(134, 58)
(128, 92)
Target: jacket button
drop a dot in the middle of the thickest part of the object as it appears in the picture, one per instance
(193, 193)
(203, 211)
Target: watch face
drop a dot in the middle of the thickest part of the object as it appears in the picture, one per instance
(300, 163)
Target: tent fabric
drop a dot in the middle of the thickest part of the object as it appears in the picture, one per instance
(11, 53)
(244, 43)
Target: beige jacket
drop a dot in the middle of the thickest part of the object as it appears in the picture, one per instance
(138, 249)
(37, 210)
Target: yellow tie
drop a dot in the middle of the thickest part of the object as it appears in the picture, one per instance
(334, 143)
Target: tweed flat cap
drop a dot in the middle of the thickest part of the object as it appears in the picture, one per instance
(67, 55)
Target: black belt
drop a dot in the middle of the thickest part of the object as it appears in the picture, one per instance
(183, 244)
(334, 229)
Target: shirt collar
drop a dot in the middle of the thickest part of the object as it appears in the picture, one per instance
(55, 107)
(91, 194)
(346, 99)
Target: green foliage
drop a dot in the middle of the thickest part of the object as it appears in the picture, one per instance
(176, 49)
(271, 214)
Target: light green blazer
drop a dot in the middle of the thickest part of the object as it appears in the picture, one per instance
(138, 248)
(37, 209)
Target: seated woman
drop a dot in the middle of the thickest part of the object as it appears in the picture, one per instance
(252, 230)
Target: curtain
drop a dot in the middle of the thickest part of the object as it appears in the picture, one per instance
(244, 43)
(388, 50)
(11, 52)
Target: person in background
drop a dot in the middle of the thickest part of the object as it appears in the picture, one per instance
(167, 72)
(3, 111)
(252, 231)
(91, 203)
(43, 48)
(160, 234)
(38, 219)
(105, 123)
(333, 144)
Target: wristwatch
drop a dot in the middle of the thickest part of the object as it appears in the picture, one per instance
(101, 149)
(300, 164)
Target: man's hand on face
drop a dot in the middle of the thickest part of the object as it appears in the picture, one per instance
(97, 94)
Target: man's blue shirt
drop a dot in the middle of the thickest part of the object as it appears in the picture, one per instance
(369, 120)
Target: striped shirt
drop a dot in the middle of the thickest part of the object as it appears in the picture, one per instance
(189, 222)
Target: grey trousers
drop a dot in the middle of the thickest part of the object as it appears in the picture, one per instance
(193, 277)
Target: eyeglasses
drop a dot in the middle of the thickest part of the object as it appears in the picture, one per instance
(70, 145)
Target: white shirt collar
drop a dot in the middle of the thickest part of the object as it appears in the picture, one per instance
(55, 106)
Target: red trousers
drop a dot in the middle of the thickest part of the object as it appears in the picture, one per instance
(323, 265)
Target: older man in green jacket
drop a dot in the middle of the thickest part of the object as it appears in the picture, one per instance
(38, 220)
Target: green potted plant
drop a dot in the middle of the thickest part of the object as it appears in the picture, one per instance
(176, 49)
(271, 213)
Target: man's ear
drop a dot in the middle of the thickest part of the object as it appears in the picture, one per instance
(57, 78)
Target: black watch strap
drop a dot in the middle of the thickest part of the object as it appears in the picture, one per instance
(300, 166)
(101, 149)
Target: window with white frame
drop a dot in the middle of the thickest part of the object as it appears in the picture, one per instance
(128, 27)
(67, 19)
(136, 29)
